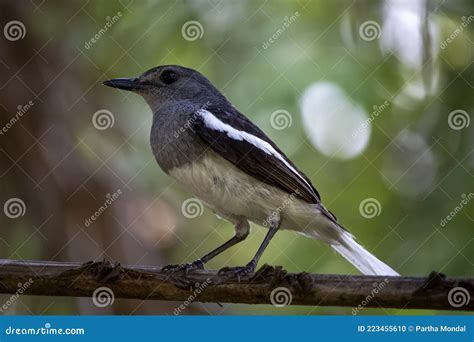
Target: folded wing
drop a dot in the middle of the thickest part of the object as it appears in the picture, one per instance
(235, 138)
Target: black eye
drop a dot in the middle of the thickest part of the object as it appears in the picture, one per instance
(168, 77)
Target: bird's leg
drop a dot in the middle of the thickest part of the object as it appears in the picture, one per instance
(274, 225)
(242, 229)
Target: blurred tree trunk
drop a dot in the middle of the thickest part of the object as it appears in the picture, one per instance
(43, 163)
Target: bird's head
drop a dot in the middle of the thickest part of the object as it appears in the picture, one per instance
(169, 84)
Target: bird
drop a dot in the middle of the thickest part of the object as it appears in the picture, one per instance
(199, 138)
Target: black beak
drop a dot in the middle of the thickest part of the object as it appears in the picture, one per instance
(124, 83)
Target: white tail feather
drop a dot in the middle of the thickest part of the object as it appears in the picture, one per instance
(358, 256)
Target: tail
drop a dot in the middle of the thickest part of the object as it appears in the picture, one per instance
(358, 256)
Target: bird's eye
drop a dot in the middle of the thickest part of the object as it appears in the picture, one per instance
(169, 77)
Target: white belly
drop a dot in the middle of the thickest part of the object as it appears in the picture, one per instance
(225, 189)
(232, 193)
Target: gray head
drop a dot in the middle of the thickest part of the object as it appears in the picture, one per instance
(168, 85)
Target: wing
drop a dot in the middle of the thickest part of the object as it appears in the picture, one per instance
(235, 138)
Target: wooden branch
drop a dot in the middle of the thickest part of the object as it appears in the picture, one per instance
(141, 282)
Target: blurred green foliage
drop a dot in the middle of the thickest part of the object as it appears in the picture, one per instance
(322, 44)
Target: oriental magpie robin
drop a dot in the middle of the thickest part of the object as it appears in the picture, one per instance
(199, 138)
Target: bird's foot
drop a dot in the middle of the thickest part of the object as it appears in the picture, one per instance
(196, 265)
(238, 272)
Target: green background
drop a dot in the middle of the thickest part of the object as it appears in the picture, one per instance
(414, 164)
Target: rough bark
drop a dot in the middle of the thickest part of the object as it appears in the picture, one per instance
(141, 282)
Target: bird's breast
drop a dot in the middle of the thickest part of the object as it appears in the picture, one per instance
(174, 144)
(226, 189)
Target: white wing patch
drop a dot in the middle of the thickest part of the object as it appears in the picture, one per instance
(212, 122)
